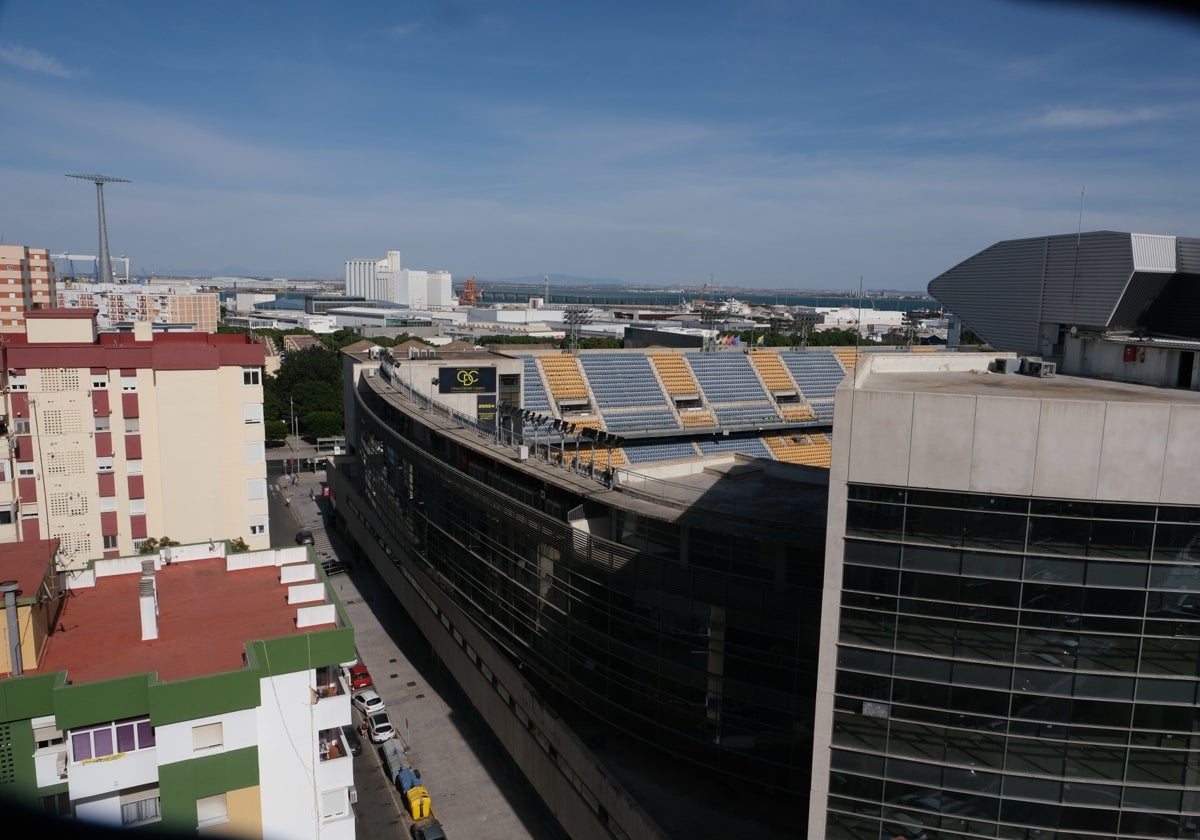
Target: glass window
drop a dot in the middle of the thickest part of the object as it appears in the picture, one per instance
(924, 559)
(1035, 755)
(81, 746)
(865, 519)
(1180, 543)
(979, 564)
(102, 423)
(1116, 574)
(935, 525)
(872, 554)
(251, 376)
(1059, 536)
(126, 737)
(1121, 539)
(102, 742)
(995, 530)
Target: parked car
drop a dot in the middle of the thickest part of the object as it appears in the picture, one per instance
(353, 742)
(360, 677)
(367, 701)
(427, 829)
(379, 728)
(304, 538)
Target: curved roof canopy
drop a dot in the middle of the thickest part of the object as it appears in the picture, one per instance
(1101, 280)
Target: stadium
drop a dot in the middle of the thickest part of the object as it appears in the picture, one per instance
(880, 593)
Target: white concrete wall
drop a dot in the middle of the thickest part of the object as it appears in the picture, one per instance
(102, 811)
(287, 756)
(238, 730)
(116, 772)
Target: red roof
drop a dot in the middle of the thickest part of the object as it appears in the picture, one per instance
(27, 564)
(205, 617)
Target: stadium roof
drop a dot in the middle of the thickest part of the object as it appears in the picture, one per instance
(1100, 280)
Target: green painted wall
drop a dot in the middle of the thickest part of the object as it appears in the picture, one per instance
(289, 654)
(19, 744)
(182, 783)
(80, 705)
(30, 696)
(180, 700)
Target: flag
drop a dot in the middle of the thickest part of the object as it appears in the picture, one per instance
(761, 339)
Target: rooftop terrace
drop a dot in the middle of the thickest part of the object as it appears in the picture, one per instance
(208, 609)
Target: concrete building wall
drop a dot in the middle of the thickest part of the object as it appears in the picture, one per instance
(287, 758)
(27, 281)
(1050, 440)
(208, 459)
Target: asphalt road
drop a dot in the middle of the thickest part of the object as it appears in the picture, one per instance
(477, 792)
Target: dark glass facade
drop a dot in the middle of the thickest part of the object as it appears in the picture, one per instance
(693, 634)
(1017, 668)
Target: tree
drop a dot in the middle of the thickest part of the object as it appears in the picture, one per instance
(275, 430)
(323, 423)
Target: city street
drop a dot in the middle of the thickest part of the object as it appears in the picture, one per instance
(477, 793)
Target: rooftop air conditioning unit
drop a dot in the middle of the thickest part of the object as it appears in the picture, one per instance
(1036, 367)
(1006, 365)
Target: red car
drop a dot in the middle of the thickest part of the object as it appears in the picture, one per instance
(360, 677)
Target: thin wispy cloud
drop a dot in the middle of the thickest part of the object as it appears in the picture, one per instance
(1083, 118)
(35, 61)
(766, 144)
(401, 31)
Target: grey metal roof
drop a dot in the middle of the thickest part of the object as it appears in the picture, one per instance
(1099, 280)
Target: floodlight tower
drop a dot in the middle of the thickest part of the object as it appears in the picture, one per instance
(105, 267)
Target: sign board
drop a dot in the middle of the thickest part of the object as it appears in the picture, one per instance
(467, 380)
(485, 409)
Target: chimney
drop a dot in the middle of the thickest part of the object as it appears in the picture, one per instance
(10, 590)
(148, 601)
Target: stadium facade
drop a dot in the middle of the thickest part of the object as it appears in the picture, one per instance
(1011, 633)
(608, 547)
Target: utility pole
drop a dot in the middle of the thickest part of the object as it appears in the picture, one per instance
(104, 274)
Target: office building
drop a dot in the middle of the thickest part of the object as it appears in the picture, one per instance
(1010, 640)
(113, 438)
(113, 713)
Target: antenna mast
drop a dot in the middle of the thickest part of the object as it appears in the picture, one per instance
(105, 265)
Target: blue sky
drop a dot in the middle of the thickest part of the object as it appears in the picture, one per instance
(764, 143)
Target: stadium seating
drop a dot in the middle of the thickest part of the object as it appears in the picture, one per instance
(564, 377)
(622, 380)
(753, 447)
(817, 372)
(814, 450)
(675, 375)
(643, 453)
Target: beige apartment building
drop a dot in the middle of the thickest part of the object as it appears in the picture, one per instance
(27, 281)
(111, 438)
(158, 303)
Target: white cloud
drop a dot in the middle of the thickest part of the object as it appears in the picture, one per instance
(1080, 118)
(27, 58)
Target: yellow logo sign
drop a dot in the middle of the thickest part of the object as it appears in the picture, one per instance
(467, 377)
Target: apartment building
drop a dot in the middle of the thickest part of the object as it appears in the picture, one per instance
(112, 438)
(159, 303)
(112, 714)
(27, 281)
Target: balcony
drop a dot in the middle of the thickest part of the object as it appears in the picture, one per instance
(335, 767)
(331, 700)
